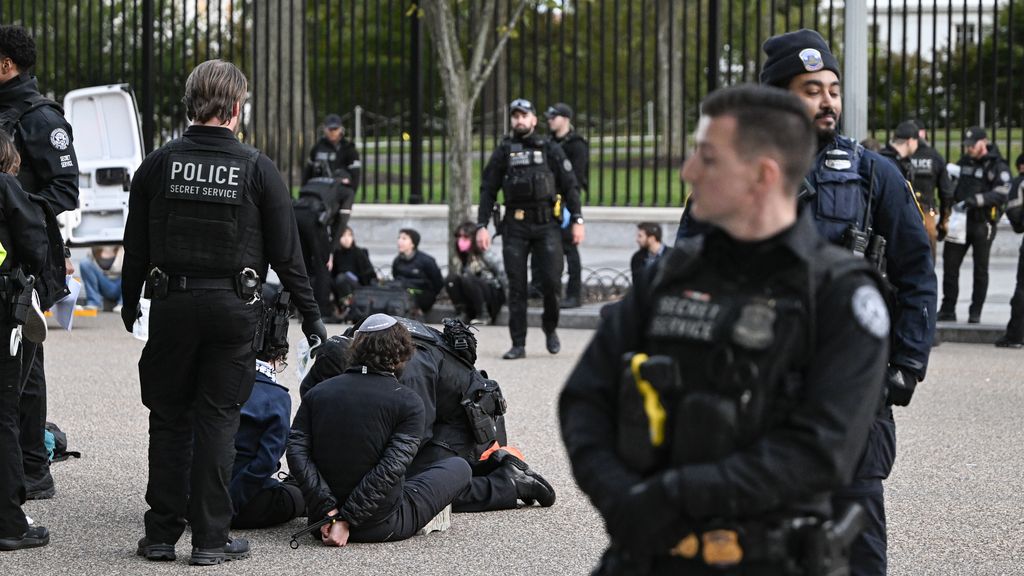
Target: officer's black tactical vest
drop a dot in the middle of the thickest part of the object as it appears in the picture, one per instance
(739, 351)
(327, 195)
(209, 225)
(529, 181)
(840, 198)
(978, 177)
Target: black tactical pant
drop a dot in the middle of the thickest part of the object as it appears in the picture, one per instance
(316, 250)
(574, 287)
(868, 555)
(196, 371)
(979, 237)
(32, 415)
(12, 475)
(488, 490)
(1015, 327)
(542, 240)
(424, 496)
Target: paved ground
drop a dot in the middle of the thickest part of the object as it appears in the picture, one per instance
(955, 498)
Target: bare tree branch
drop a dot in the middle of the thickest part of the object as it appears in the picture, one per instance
(477, 56)
(477, 82)
(441, 22)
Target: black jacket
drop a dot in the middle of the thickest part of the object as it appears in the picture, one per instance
(356, 261)
(350, 444)
(931, 180)
(341, 158)
(419, 272)
(49, 167)
(983, 185)
(578, 152)
(22, 231)
(277, 227)
(904, 164)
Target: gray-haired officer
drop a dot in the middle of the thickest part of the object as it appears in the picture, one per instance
(536, 179)
(207, 215)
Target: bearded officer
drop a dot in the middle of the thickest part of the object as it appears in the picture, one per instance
(720, 405)
(206, 216)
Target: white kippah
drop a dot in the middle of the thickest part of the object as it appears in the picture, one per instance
(376, 323)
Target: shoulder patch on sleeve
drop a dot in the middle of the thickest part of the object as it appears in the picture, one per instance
(1004, 176)
(566, 165)
(870, 311)
(59, 139)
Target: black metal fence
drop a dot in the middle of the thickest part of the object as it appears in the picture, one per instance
(633, 70)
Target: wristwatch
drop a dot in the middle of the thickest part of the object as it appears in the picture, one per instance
(577, 220)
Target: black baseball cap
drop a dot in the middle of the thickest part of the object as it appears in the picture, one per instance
(332, 121)
(523, 105)
(906, 130)
(973, 134)
(559, 109)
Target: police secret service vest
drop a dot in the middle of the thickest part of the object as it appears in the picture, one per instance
(203, 220)
(529, 181)
(840, 192)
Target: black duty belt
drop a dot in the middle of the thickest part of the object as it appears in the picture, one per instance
(185, 283)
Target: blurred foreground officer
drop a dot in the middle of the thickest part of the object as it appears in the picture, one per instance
(536, 178)
(716, 411)
(22, 253)
(207, 214)
(861, 202)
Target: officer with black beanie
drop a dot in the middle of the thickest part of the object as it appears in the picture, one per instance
(207, 214)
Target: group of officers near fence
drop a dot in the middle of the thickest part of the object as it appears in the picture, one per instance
(732, 415)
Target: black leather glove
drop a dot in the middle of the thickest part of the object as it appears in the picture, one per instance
(940, 231)
(314, 327)
(646, 520)
(129, 314)
(899, 385)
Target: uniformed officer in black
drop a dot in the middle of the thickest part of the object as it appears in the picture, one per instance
(719, 406)
(49, 173)
(335, 153)
(1014, 335)
(578, 152)
(206, 216)
(536, 179)
(981, 190)
(23, 238)
(931, 180)
(901, 148)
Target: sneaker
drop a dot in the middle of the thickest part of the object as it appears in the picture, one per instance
(34, 537)
(439, 523)
(155, 551)
(235, 549)
(35, 322)
(515, 353)
(116, 309)
(945, 316)
(553, 343)
(1006, 342)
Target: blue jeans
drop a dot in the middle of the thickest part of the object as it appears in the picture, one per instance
(97, 285)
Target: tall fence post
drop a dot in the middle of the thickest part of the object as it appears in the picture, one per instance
(416, 110)
(714, 41)
(148, 74)
(855, 69)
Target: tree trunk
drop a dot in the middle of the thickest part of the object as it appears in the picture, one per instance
(279, 86)
(670, 81)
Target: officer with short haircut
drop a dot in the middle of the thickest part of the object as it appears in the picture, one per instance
(901, 147)
(207, 214)
(981, 190)
(861, 202)
(49, 173)
(721, 404)
(930, 177)
(536, 179)
(578, 152)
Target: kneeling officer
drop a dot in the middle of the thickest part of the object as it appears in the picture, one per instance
(207, 214)
(720, 405)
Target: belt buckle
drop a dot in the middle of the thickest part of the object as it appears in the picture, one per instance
(519, 214)
(721, 548)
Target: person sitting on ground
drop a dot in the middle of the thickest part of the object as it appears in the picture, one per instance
(416, 271)
(648, 238)
(353, 439)
(259, 499)
(350, 268)
(101, 276)
(442, 371)
(478, 282)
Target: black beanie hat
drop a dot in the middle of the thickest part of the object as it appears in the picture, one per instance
(795, 53)
(413, 235)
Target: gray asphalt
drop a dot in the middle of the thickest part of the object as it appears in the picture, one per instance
(955, 498)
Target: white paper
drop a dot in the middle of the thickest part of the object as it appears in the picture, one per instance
(141, 328)
(64, 309)
(304, 357)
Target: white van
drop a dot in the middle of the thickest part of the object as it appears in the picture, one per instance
(108, 143)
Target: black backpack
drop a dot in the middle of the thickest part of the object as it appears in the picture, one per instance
(52, 283)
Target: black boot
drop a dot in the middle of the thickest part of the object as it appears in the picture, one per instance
(530, 486)
(34, 537)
